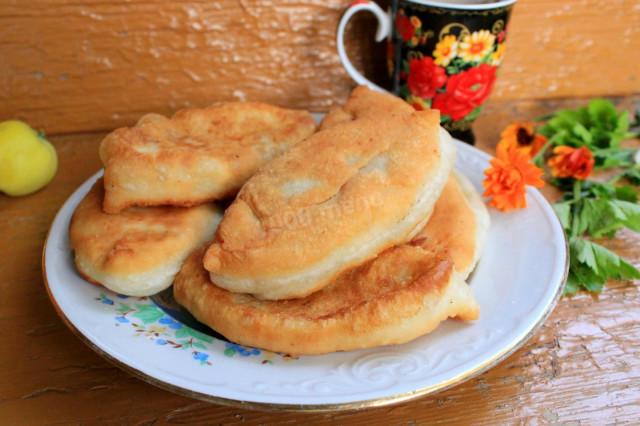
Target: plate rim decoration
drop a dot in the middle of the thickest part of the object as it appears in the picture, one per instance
(396, 373)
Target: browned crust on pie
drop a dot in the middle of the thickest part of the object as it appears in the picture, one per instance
(364, 102)
(331, 202)
(198, 155)
(451, 229)
(403, 294)
(138, 251)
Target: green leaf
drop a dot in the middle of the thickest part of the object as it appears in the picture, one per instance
(405, 66)
(148, 313)
(562, 122)
(609, 264)
(474, 113)
(601, 217)
(630, 214)
(603, 190)
(627, 270)
(199, 346)
(581, 219)
(609, 191)
(573, 285)
(602, 111)
(566, 118)
(488, 57)
(123, 307)
(603, 209)
(186, 332)
(458, 62)
(182, 332)
(590, 280)
(563, 210)
(609, 126)
(626, 193)
(585, 277)
(198, 335)
(597, 126)
(633, 175)
(581, 132)
(582, 252)
(621, 131)
(613, 157)
(404, 91)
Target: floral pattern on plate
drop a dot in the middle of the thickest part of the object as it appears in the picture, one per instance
(151, 318)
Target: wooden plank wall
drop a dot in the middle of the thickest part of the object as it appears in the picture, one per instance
(77, 66)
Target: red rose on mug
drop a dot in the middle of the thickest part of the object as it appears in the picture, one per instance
(406, 30)
(465, 91)
(425, 77)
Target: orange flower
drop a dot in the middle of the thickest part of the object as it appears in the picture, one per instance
(508, 177)
(522, 137)
(571, 162)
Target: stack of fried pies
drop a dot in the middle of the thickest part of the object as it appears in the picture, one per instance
(357, 234)
(136, 226)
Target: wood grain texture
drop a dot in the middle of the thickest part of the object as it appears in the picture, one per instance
(581, 367)
(78, 66)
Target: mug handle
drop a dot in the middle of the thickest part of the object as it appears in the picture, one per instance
(383, 31)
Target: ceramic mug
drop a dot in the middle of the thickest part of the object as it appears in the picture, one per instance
(440, 54)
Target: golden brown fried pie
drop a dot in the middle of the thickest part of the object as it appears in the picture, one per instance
(364, 102)
(459, 225)
(401, 294)
(139, 251)
(331, 202)
(404, 293)
(199, 155)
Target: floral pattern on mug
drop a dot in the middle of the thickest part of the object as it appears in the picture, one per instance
(466, 92)
(404, 27)
(457, 75)
(446, 50)
(476, 46)
(411, 31)
(496, 57)
(425, 77)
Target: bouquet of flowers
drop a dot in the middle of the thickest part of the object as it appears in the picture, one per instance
(572, 144)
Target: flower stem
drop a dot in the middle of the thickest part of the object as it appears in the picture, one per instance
(544, 117)
(540, 153)
(615, 179)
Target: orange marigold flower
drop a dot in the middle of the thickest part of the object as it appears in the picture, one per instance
(522, 137)
(507, 178)
(571, 162)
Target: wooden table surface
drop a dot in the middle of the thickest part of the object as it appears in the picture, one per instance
(582, 366)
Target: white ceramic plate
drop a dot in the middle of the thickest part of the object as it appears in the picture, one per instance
(517, 283)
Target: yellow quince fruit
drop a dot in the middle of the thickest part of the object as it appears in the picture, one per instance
(27, 161)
